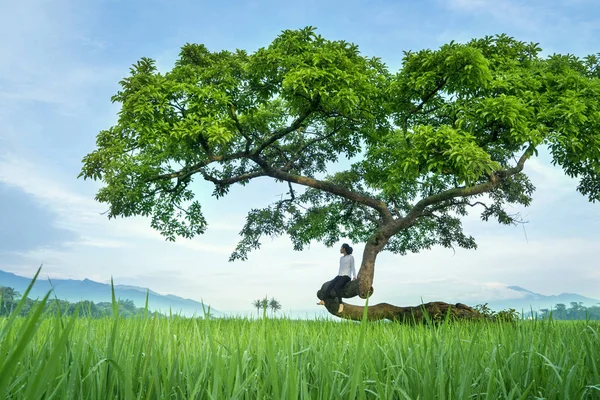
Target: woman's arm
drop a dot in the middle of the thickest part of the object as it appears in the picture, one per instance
(352, 270)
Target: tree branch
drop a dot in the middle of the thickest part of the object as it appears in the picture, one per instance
(239, 127)
(189, 171)
(494, 180)
(329, 187)
(442, 206)
(309, 143)
(290, 200)
(233, 179)
(429, 96)
(477, 203)
(278, 134)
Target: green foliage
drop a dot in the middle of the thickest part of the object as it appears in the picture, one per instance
(509, 315)
(450, 130)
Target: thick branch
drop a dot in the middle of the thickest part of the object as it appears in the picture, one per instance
(450, 194)
(429, 312)
(435, 311)
(329, 187)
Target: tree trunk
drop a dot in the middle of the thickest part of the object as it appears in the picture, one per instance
(434, 311)
(366, 272)
(362, 286)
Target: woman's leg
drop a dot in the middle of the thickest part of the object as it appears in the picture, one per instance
(339, 284)
(327, 291)
(331, 286)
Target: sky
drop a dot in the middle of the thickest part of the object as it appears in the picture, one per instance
(61, 61)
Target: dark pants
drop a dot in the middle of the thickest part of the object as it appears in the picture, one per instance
(337, 284)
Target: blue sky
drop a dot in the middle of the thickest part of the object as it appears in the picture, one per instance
(61, 61)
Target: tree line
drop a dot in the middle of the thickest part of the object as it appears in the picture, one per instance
(576, 311)
(9, 298)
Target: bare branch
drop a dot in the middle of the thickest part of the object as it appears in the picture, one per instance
(291, 192)
(477, 203)
(290, 200)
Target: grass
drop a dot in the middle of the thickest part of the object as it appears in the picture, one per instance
(55, 357)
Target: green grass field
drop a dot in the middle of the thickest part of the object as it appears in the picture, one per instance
(53, 357)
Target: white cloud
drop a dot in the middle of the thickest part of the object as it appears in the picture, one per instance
(102, 243)
(547, 177)
(38, 181)
(82, 214)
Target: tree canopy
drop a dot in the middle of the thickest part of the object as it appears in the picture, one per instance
(448, 132)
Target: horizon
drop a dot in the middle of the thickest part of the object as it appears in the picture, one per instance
(301, 313)
(63, 61)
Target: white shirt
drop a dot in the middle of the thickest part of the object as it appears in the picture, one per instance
(347, 266)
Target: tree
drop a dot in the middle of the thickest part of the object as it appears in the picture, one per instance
(264, 304)
(8, 299)
(274, 305)
(448, 133)
(576, 311)
(258, 305)
(593, 312)
(127, 307)
(560, 311)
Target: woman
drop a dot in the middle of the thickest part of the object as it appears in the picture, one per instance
(345, 274)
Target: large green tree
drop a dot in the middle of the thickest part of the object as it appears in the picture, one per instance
(448, 133)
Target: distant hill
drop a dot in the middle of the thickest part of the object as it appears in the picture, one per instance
(526, 300)
(75, 290)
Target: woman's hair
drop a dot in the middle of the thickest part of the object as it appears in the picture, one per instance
(347, 247)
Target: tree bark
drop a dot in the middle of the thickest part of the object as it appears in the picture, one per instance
(366, 273)
(434, 311)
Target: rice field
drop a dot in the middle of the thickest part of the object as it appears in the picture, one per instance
(149, 357)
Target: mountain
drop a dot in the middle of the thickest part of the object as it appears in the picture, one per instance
(524, 300)
(75, 290)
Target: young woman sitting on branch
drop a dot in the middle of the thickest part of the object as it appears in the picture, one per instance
(345, 274)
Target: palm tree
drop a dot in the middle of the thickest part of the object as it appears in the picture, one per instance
(264, 303)
(258, 304)
(274, 305)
